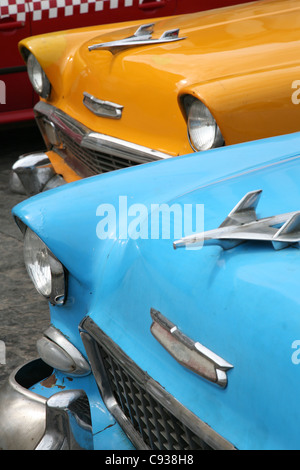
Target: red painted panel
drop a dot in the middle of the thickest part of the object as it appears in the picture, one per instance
(14, 25)
(65, 14)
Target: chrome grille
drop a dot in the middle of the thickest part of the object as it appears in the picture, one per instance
(149, 415)
(90, 162)
(159, 429)
(81, 408)
(85, 151)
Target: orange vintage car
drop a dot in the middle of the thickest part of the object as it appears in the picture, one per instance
(125, 94)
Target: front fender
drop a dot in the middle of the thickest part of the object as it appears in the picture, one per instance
(251, 100)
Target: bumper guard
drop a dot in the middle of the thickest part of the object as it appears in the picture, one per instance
(32, 422)
(32, 174)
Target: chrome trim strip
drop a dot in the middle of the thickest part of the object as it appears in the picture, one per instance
(242, 224)
(91, 335)
(121, 148)
(94, 140)
(102, 108)
(190, 354)
(142, 37)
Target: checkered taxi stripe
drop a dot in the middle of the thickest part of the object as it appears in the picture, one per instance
(47, 9)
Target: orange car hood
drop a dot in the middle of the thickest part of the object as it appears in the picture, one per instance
(148, 80)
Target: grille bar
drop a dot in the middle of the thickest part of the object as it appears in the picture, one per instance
(95, 162)
(151, 418)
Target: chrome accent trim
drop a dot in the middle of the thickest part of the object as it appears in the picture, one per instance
(142, 37)
(86, 138)
(67, 428)
(91, 336)
(190, 354)
(81, 366)
(242, 225)
(102, 108)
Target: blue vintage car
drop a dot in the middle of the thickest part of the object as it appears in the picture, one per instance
(166, 334)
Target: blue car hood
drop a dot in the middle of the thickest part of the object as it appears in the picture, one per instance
(242, 304)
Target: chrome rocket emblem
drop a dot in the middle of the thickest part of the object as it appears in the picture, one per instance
(142, 37)
(192, 355)
(242, 225)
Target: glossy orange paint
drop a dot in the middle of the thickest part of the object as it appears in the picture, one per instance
(240, 61)
(61, 168)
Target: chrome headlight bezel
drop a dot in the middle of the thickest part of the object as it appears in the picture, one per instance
(37, 77)
(201, 121)
(45, 270)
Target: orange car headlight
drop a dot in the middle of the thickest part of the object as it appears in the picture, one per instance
(203, 131)
(38, 78)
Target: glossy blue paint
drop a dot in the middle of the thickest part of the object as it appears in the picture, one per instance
(243, 304)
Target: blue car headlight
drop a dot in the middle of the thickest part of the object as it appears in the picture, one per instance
(44, 269)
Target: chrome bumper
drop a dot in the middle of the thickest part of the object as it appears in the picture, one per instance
(29, 421)
(32, 174)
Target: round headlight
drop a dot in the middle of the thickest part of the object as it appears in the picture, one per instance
(44, 269)
(38, 78)
(203, 131)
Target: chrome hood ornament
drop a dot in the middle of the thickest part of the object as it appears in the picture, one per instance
(142, 37)
(242, 225)
(190, 354)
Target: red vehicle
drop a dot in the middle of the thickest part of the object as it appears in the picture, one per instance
(22, 18)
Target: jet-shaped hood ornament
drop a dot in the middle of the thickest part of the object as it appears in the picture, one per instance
(242, 225)
(142, 37)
